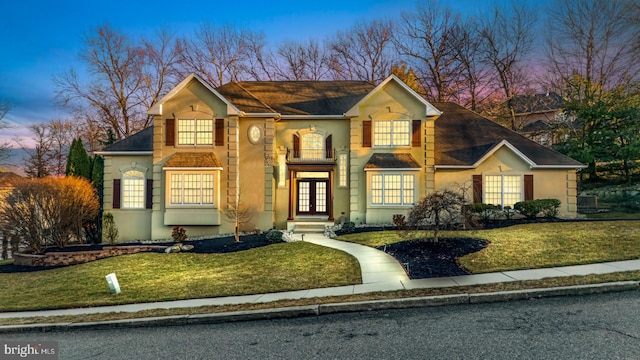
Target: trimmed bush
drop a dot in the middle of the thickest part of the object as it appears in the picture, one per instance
(528, 209)
(178, 234)
(549, 208)
(274, 236)
(348, 227)
(531, 208)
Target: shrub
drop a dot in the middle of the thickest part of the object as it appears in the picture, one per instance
(178, 234)
(484, 211)
(109, 228)
(274, 236)
(399, 221)
(348, 227)
(438, 209)
(49, 211)
(549, 208)
(531, 208)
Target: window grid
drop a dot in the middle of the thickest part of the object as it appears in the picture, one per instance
(503, 190)
(195, 132)
(392, 189)
(133, 190)
(303, 197)
(342, 170)
(391, 133)
(321, 196)
(312, 146)
(191, 189)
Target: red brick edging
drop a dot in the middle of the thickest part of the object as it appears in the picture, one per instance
(78, 257)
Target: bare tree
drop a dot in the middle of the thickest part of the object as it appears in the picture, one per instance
(38, 161)
(507, 38)
(424, 38)
(238, 213)
(221, 53)
(5, 148)
(301, 61)
(61, 134)
(124, 79)
(592, 41)
(363, 52)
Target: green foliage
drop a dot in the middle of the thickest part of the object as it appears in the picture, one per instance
(78, 162)
(531, 208)
(484, 211)
(178, 234)
(348, 227)
(109, 228)
(274, 236)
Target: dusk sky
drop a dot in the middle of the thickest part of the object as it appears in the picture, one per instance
(42, 38)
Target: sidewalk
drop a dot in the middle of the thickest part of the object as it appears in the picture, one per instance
(380, 272)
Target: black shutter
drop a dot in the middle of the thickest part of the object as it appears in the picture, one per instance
(296, 146)
(116, 193)
(149, 193)
(328, 147)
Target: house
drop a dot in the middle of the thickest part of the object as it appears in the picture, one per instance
(291, 153)
(539, 117)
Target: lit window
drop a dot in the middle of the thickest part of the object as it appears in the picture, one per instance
(191, 189)
(195, 132)
(391, 133)
(312, 146)
(342, 170)
(503, 190)
(133, 190)
(392, 189)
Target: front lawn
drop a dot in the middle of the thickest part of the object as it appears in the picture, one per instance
(150, 277)
(535, 245)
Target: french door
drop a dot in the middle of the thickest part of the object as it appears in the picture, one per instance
(312, 197)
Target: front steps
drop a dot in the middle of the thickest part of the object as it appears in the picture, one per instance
(299, 227)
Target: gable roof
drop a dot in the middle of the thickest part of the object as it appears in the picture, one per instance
(142, 141)
(295, 97)
(430, 110)
(463, 139)
(156, 109)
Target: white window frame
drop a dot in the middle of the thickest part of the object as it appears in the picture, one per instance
(379, 188)
(196, 140)
(177, 181)
(343, 169)
(133, 192)
(393, 135)
(486, 183)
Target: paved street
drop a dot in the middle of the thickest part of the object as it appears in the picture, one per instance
(603, 326)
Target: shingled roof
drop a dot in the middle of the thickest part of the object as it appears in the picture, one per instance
(140, 141)
(193, 160)
(295, 97)
(463, 137)
(391, 161)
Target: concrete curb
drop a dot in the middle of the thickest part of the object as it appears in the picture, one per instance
(325, 309)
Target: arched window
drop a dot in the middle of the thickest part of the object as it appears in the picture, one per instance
(312, 146)
(133, 190)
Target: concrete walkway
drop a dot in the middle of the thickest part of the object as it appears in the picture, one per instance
(380, 272)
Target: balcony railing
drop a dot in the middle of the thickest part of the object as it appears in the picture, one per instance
(314, 156)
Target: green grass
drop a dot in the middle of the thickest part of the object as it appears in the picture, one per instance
(153, 277)
(535, 245)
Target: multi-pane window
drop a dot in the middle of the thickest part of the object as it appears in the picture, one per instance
(342, 170)
(503, 190)
(133, 190)
(312, 146)
(195, 132)
(191, 189)
(392, 189)
(391, 133)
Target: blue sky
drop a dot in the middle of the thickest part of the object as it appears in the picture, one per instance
(41, 38)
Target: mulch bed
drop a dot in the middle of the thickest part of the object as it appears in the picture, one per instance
(426, 259)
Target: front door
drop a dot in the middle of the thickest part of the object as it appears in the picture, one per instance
(312, 197)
